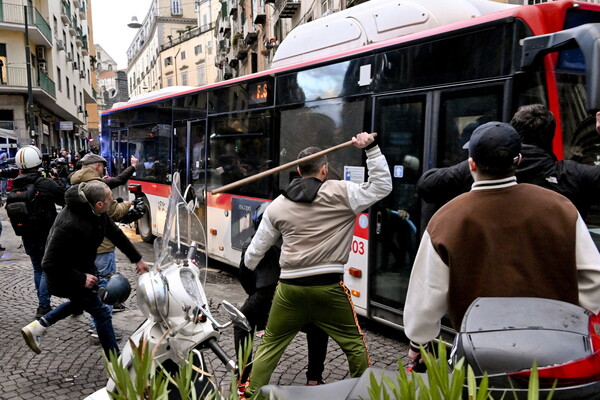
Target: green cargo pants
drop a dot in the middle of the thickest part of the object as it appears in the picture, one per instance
(329, 307)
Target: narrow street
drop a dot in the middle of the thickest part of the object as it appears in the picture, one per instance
(70, 365)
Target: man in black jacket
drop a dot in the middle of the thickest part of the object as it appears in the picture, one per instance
(78, 231)
(535, 124)
(48, 194)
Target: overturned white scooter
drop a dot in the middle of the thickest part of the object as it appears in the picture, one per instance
(171, 296)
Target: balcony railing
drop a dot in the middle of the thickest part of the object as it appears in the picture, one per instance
(14, 13)
(287, 8)
(46, 83)
(17, 76)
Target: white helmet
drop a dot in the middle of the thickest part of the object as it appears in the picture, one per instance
(28, 157)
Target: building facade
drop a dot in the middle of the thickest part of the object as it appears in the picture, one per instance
(173, 46)
(45, 74)
(112, 83)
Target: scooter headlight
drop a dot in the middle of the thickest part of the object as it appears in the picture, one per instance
(191, 286)
(152, 295)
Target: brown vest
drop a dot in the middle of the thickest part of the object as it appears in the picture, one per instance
(511, 242)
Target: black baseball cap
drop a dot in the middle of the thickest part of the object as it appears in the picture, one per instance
(495, 145)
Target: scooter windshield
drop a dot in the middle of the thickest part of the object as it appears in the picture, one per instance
(183, 239)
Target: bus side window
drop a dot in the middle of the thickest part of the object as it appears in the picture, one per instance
(461, 113)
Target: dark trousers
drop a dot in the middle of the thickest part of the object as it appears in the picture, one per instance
(90, 302)
(35, 251)
(256, 309)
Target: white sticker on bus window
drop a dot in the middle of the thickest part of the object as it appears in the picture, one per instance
(364, 78)
(354, 174)
(398, 171)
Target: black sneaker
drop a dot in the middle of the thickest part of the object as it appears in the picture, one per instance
(2, 248)
(41, 311)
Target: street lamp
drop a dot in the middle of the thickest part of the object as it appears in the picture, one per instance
(134, 23)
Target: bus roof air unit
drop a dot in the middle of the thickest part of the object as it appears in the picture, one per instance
(372, 22)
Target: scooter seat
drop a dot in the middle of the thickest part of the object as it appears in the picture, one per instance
(348, 389)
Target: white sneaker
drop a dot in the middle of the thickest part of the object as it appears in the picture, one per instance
(32, 334)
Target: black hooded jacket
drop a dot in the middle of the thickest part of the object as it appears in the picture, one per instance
(71, 248)
(580, 183)
(49, 193)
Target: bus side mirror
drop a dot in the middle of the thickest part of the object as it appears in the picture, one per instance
(587, 38)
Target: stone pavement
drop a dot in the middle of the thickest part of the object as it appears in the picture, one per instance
(70, 365)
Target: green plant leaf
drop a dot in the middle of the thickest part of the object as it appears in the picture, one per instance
(533, 392)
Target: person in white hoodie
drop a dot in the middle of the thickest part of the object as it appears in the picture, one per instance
(315, 219)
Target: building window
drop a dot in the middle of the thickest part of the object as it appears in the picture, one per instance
(201, 75)
(75, 94)
(176, 7)
(183, 55)
(59, 78)
(68, 88)
(198, 49)
(184, 78)
(170, 81)
(168, 61)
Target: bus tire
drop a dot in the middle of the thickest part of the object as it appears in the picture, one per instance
(144, 225)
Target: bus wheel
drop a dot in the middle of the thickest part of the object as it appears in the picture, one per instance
(144, 225)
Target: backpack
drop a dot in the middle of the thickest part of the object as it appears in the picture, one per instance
(20, 210)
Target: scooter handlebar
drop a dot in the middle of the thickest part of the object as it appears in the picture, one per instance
(221, 355)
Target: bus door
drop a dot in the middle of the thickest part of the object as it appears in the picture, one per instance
(394, 222)
(117, 158)
(197, 162)
(188, 160)
(188, 153)
(417, 131)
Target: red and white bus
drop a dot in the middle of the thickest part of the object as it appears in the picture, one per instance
(420, 81)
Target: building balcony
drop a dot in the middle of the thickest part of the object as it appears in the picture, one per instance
(65, 12)
(251, 37)
(76, 3)
(260, 17)
(82, 14)
(225, 27)
(287, 8)
(12, 18)
(79, 40)
(233, 8)
(14, 80)
(241, 50)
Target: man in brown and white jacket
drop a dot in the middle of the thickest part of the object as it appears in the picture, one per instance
(502, 239)
(315, 218)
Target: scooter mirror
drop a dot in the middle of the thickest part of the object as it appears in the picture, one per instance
(236, 316)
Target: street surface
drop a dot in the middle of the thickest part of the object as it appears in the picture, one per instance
(70, 365)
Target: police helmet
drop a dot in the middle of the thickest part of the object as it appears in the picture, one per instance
(117, 290)
(28, 157)
(258, 214)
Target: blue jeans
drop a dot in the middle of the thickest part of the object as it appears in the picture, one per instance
(90, 302)
(3, 183)
(35, 251)
(106, 264)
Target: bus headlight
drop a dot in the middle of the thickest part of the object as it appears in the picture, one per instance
(152, 296)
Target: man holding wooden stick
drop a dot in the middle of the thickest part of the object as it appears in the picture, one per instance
(315, 218)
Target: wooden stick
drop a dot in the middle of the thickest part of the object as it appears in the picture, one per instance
(274, 170)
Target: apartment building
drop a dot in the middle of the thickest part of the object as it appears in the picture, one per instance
(45, 80)
(249, 31)
(173, 46)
